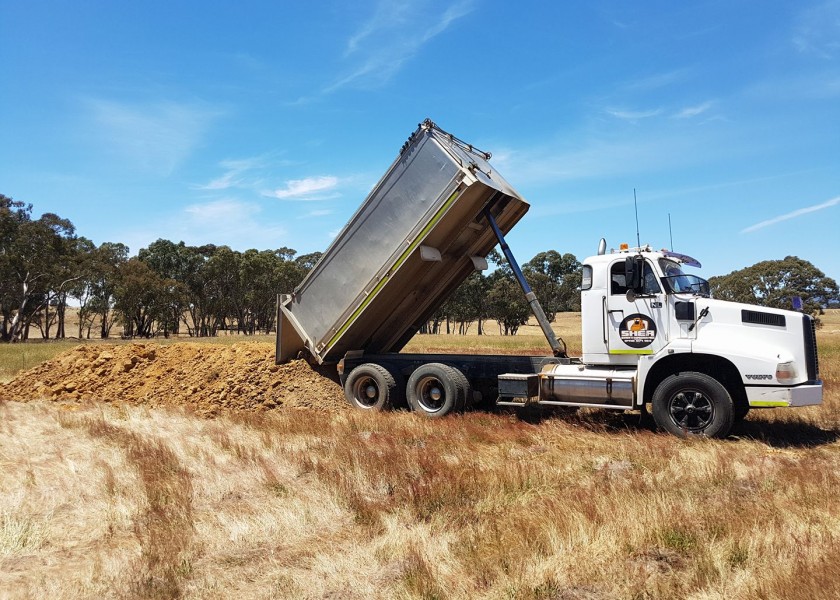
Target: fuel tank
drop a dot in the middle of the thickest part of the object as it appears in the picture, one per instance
(576, 384)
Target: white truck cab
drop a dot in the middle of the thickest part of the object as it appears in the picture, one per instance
(652, 335)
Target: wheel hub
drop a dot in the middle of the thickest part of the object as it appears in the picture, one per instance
(431, 393)
(691, 409)
(370, 391)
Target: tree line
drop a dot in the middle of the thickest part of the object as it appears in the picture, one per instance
(555, 279)
(166, 289)
(172, 288)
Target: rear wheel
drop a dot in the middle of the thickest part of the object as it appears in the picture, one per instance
(464, 390)
(435, 390)
(371, 387)
(693, 404)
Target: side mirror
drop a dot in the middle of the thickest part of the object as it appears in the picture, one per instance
(634, 266)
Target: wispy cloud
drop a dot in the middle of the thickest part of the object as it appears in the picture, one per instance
(633, 115)
(817, 31)
(692, 111)
(220, 211)
(387, 16)
(664, 194)
(611, 154)
(639, 115)
(235, 170)
(792, 215)
(224, 182)
(392, 36)
(229, 221)
(155, 136)
(549, 163)
(310, 188)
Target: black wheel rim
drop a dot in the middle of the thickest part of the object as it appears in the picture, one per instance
(431, 394)
(691, 410)
(366, 392)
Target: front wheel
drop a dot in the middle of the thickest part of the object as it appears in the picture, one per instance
(693, 404)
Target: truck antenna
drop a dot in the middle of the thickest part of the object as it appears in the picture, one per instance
(636, 206)
(670, 233)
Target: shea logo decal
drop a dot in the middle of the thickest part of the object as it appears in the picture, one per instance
(637, 331)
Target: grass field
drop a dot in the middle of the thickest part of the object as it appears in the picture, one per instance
(105, 501)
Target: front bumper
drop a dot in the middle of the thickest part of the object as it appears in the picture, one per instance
(802, 395)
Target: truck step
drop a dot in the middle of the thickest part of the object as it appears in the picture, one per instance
(511, 403)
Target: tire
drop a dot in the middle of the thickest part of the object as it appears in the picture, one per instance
(693, 404)
(435, 390)
(464, 390)
(371, 387)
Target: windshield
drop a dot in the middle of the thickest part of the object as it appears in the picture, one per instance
(678, 282)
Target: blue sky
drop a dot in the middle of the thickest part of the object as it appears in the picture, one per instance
(264, 124)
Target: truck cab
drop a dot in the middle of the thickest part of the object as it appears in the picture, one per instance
(645, 315)
(635, 303)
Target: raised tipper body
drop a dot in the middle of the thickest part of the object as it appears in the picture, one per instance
(417, 236)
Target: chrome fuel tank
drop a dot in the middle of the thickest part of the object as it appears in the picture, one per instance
(589, 386)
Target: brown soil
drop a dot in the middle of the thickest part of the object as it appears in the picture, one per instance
(208, 378)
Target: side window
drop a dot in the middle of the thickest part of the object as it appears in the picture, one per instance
(618, 284)
(586, 279)
(651, 283)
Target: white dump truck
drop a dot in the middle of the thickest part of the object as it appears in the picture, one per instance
(653, 338)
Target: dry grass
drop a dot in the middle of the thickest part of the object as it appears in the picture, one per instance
(115, 502)
(529, 339)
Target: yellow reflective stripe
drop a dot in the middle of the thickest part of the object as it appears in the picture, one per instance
(631, 351)
(403, 257)
(769, 403)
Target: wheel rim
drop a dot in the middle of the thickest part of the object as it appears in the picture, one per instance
(366, 392)
(431, 394)
(691, 410)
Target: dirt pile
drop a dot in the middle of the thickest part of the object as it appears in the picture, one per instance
(209, 378)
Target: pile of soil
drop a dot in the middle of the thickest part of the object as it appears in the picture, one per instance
(209, 378)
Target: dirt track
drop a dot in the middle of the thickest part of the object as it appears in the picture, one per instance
(206, 377)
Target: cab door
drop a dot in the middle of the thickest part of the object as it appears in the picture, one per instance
(636, 326)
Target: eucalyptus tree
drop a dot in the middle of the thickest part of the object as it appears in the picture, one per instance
(506, 304)
(775, 283)
(144, 299)
(105, 270)
(36, 265)
(555, 279)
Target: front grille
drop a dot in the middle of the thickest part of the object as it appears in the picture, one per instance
(762, 318)
(809, 333)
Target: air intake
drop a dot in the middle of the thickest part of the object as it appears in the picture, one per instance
(762, 318)
(809, 332)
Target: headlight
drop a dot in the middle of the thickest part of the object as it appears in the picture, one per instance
(786, 372)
